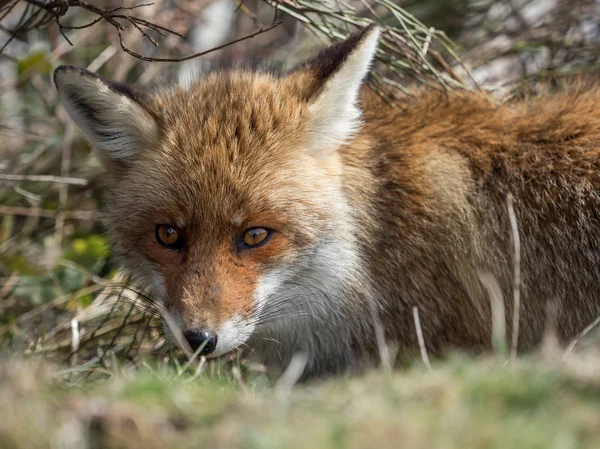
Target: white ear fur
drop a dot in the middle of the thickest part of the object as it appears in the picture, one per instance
(108, 116)
(334, 116)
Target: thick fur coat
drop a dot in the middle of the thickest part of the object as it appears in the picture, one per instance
(371, 210)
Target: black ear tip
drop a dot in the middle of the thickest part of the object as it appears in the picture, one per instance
(70, 74)
(62, 70)
(66, 68)
(58, 72)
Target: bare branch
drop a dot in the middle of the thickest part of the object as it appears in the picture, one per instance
(48, 213)
(516, 277)
(43, 178)
(195, 55)
(421, 339)
(47, 12)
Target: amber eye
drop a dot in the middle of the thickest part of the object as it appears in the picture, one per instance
(255, 237)
(168, 236)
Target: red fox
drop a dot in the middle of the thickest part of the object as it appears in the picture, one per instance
(299, 212)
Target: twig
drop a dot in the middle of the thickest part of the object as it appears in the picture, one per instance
(47, 306)
(75, 337)
(104, 320)
(53, 11)
(195, 55)
(192, 359)
(8, 9)
(119, 331)
(199, 368)
(516, 277)
(102, 58)
(33, 199)
(20, 28)
(420, 338)
(88, 274)
(237, 375)
(113, 326)
(103, 16)
(579, 337)
(247, 12)
(291, 375)
(384, 352)
(43, 178)
(48, 213)
(406, 48)
(9, 284)
(490, 283)
(146, 35)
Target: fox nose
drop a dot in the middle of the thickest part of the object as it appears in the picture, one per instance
(206, 340)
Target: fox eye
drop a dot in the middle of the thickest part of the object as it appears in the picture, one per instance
(255, 237)
(168, 236)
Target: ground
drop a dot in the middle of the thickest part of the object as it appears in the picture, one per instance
(460, 403)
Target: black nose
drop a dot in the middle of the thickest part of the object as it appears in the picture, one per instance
(206, 340)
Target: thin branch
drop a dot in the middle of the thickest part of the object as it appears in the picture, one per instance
(55, 10)
(89, 24)
(195, 55)
(8, 8)
(516, 277)
(490, 283)
(20, 29)
(48, 213)
(43, 178)
(579, 337)
(291, 375)
(421, 339)
(382, 346)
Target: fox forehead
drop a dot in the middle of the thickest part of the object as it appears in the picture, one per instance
(229, 114)
(231, 148)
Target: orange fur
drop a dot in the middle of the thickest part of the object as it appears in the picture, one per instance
(418, 196)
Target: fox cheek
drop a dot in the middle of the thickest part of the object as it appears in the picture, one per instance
(268, 285)
(158, 283)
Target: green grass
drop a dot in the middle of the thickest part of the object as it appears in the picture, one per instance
(460, 403)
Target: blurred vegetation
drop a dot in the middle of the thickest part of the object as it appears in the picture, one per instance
(64, 300)
(458, 404)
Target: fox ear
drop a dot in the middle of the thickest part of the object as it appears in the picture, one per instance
(338, 73)
(108, 113)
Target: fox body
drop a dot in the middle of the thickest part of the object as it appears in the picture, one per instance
(300, 213)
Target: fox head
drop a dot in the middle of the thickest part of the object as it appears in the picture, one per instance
(226, 193)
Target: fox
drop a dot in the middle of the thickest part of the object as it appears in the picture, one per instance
(277, 213)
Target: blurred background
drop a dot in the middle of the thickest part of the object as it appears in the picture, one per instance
(54, 259)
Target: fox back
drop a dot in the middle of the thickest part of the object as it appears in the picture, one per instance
(299, 212)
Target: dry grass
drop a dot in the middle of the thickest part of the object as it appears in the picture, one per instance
(460, 403)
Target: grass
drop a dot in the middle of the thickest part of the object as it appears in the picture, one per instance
(461, 403)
